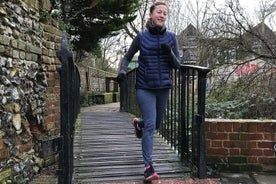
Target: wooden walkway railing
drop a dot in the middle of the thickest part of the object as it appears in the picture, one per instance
(107, 151)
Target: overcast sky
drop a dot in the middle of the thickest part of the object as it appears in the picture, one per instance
(248, 5)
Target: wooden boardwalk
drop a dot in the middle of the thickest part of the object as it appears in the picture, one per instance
(107, 151)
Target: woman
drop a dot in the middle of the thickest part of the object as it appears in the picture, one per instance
(158, 55)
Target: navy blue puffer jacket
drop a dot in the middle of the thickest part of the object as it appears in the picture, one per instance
(154, 71)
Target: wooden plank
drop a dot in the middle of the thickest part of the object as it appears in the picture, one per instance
(106, 150)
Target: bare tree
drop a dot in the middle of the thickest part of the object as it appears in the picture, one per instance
(237, 47)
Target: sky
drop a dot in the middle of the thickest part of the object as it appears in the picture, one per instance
(248, 4)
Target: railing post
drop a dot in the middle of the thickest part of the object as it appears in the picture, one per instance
(65, 175)
(200, 119)
(123, 88)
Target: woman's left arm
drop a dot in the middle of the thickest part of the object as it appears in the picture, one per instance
(175, 58)
(172, 52)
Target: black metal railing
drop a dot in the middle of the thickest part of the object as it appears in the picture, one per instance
(69, 110)
(128, 101)
(183, 124)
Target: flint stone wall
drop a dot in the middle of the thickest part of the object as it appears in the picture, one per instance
(29, 88)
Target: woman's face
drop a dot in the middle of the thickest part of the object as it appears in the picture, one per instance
(159, 15)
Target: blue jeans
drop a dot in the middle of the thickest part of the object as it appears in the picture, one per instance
(152, 104)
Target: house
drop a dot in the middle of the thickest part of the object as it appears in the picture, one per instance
(254, 51)
(187, 41)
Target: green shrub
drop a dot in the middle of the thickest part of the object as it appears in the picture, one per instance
(248, 97)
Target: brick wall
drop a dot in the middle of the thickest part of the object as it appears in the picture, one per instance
(241, 145)
(51, 42)
(29, 87)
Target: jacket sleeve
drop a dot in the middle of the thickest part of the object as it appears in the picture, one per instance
(175, 58)
(134, 47)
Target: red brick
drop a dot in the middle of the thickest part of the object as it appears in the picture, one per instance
(56, 89)
(252, 144)
(216, 144)
(49, 119)
(228, 127)
(244, 151)
(219, 136)
(236, 126)
(269, 136)
(266, 127)
(260, 127)
(252, 127)
(249, 137)
(269, 152)
(50, 75)
(220, 126)
(4, 153)
(234, 136)
(56, 103)
(51, 83)
(213, 127)
(244, 127)
(234, 144)
(51, 68)
(255, 152)
(222, 136)
(234, 151)
(269, 127)
(207, 126)
(25, 147)
(57, 117)
(266, 145)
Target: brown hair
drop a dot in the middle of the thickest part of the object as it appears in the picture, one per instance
(152, 8)
(156, 3)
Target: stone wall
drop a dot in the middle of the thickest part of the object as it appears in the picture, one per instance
(29, 88)
(95, 80)
(241, 145)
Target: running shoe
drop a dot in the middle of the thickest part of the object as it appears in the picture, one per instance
(137, 130)
(150, 174)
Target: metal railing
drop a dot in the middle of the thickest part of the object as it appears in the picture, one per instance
(69, 109)
(183, 125)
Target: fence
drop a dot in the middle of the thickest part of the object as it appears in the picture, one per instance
(183, 127)
(70, 107)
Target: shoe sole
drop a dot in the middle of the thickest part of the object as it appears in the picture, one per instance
(152, 177)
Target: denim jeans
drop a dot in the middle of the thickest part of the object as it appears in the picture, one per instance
(152, 104)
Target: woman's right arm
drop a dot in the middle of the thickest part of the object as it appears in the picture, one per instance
(134, 47)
